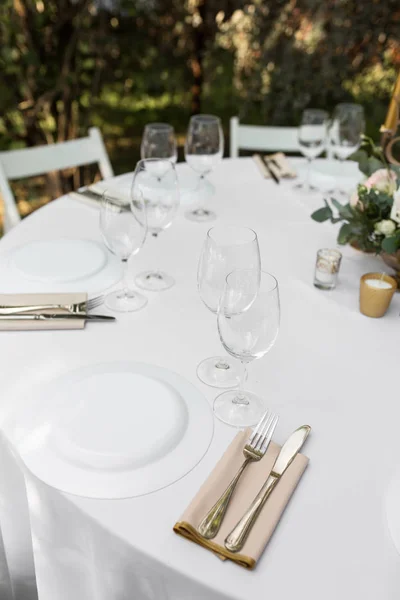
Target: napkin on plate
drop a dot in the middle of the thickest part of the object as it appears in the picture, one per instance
(93, 194)
(278, 163)
(249, 485)
(25, 299)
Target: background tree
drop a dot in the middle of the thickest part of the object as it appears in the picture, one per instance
(68, 64)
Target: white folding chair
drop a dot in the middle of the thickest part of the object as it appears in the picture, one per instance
(254, 137)
(29, 162)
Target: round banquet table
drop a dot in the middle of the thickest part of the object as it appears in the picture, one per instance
(331, 367)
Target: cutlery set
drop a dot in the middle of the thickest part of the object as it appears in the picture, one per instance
(254, 450)
(78, 310)
(265, 163)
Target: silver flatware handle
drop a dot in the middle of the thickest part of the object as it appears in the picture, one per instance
(211, 523)
(237, 537)
(11, 310)
(56, 317)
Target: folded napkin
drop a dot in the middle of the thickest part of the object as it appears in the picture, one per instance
(25, 299)
(93, 194)
(278, 163)
(248, 487)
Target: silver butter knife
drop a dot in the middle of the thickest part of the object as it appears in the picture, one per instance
(237, 537)
(55, 317)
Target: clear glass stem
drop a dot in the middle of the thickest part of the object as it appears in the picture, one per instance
(125, 285)
(240, 397)
(199, 210)
(155, 272)
(307, 181)
(338, 190)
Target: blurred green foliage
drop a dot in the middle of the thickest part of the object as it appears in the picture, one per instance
(69, 64)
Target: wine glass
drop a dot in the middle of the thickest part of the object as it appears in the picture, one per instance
(155, 180)
(312, 138)
(248, 325)
(123, 227)
(159, 141)
(347, 127)
(204, 148)
(225, 249)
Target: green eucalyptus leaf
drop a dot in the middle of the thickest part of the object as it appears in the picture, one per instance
(390, 244)
(345, 234)
(322, 214)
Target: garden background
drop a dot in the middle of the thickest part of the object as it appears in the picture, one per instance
(66, 65)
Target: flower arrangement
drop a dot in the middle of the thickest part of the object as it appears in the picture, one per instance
(371, 219)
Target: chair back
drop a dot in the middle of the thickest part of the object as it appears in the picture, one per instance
(255, 137)
(29, 162)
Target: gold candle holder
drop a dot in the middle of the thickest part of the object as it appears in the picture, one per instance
(376, 292)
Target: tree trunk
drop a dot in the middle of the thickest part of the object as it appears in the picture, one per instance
(199, 47)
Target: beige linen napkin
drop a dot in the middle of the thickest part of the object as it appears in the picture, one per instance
(249, 485)
(278, 163)
(25, 299)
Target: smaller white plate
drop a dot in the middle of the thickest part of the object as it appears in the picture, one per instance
(328, 174)
(187, 179)
(63, 265)
(114, 430)
(59, 260)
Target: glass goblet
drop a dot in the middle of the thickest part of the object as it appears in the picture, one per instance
(248, 325)
(159, 141)
(156, 182)
(347, 127)
(123, 227)
(312, 138)
(225, 248)
(204, 148)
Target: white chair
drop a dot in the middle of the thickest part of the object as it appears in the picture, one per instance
(254, 137)
(29, 162)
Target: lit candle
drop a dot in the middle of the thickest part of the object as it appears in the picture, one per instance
(378, 284)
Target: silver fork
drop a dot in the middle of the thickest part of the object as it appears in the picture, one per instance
(255, 448)
(77, 307)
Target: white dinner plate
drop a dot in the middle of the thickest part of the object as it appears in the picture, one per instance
(187, 179)
(59, 265)
(393, 509)
(61, 260)
(325, 174)
(114, 430)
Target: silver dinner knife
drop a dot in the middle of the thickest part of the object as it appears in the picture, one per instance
(237, 537)
(55, 317)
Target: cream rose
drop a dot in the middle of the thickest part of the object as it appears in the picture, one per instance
(382, 180)
(385, 227)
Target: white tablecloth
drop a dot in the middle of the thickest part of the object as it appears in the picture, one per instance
(331, 367)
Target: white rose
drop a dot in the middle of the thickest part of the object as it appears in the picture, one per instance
(385, 227)
(395, 214)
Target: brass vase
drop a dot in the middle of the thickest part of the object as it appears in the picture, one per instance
(393, 261)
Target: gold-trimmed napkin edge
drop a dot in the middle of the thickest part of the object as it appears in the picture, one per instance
(187, 531)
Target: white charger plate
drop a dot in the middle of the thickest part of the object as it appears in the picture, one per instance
(393, 509)
(187, 179)
(114, 430)
(326, 173)
(59, 265)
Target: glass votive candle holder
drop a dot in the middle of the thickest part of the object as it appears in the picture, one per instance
(327, 268)
(376, 293)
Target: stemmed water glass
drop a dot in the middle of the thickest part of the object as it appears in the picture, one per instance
(225, 248)
(156, 182)
(123, 227)
(248, 325)
(312, 138)
(347, 127)
(159, 141)
(204, 148)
